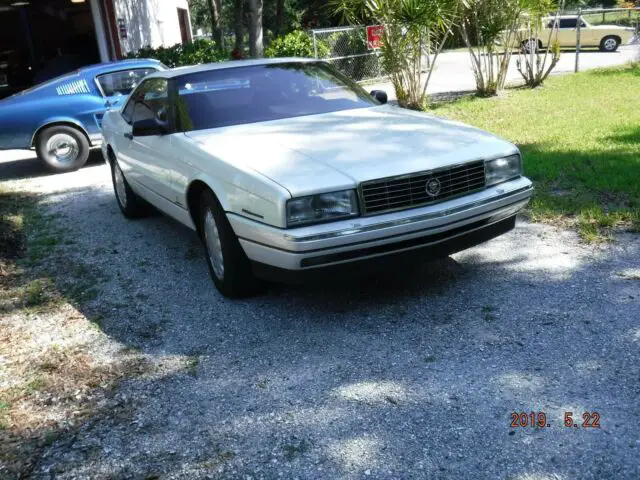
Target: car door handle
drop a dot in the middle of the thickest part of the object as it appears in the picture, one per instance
(128, 135)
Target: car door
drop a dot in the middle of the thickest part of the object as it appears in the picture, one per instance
(589, 36)
(151, 154)
(567, 32)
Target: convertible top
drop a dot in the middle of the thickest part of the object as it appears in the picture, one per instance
(205, 67)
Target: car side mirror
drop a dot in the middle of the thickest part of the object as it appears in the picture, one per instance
(380, 95)
(149, 126)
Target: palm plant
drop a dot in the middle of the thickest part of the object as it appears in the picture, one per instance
(489, 30)
(533, 63)
(414, 33)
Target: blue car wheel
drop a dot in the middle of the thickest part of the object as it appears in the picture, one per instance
(62, 148)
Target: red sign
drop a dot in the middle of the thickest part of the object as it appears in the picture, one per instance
(374, 36)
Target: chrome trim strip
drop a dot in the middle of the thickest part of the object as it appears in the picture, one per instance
(415, 247)
(497, 213)
(248, 212)
(405, 221)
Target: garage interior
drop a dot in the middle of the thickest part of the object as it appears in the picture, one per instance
(41, 39)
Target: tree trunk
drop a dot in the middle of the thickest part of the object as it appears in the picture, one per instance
(279, 17)
(256, 48)
(238, 23)
(215, 8)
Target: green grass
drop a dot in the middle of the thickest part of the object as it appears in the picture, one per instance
(580, 139)
(612, 18)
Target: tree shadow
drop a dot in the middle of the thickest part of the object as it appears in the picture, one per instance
(332, 381)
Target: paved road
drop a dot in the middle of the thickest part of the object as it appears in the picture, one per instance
(454, 74)
(408, 374)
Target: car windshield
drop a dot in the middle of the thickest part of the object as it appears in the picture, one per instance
(236, 96)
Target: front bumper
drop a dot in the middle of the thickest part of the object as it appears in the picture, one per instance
(437, 230)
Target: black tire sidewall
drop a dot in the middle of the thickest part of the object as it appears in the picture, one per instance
(49, 162)
(605, 49)
(238, 280)
(136, 207)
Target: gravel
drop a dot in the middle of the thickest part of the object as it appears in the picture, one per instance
(408, 374)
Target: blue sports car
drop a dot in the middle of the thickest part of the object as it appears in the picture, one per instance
(61, 118)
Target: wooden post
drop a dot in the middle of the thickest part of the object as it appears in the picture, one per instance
(578, 40)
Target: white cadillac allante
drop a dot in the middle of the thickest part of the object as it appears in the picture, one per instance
(289, 170)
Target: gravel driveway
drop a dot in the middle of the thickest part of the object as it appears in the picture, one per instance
(409, 374)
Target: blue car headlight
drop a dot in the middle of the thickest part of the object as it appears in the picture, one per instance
(323, 207)
(502, 169)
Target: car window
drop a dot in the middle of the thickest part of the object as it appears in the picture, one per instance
(152, 101)
(148, 100)
(122, 82)
(568, 23)
(241, 95)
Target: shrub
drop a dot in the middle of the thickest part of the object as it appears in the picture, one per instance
(199, 51)
(295, 44)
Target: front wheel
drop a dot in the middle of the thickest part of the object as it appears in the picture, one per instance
(609, 44)
(131, 205)
(62, 148)
(229, 266)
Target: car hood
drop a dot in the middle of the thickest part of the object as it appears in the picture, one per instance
(332, 151)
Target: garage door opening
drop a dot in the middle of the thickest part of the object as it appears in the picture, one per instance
(41, 39)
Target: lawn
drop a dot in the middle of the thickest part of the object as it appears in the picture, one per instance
(580, 139)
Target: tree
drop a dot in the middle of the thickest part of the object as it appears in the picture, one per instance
(215, 9)
(535, 64)
(256, 47)
(489, 30)
(279, 17)
(238, 25)
(414, 33)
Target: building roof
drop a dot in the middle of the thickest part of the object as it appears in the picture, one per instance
(205, 67)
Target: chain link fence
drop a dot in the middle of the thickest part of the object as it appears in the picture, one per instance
(347, 49)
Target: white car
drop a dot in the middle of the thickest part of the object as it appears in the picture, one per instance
(289, 170)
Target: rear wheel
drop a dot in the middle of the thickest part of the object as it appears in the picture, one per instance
(229, 266)
(62, 148)
(531, 45)
(609, 44)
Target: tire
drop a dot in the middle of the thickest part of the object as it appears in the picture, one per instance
(229, 266)
(530, 44)
(62, 148)
(131, 205)
(609, 44)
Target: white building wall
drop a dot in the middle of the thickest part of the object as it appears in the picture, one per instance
(152, 23)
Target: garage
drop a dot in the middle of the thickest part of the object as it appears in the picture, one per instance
(41, 39)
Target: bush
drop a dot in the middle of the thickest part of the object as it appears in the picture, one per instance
(199, 51)
(295, 44)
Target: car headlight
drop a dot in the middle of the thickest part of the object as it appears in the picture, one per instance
(502, 169)
(321, 208)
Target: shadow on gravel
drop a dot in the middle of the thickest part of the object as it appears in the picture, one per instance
(410, 371)
(30, 167)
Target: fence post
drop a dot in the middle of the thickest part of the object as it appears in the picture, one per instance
(315, 45)
(578, 40)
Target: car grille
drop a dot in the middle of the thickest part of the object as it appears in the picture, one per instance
(409, 191)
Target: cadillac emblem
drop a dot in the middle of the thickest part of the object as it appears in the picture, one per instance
(433, 187)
